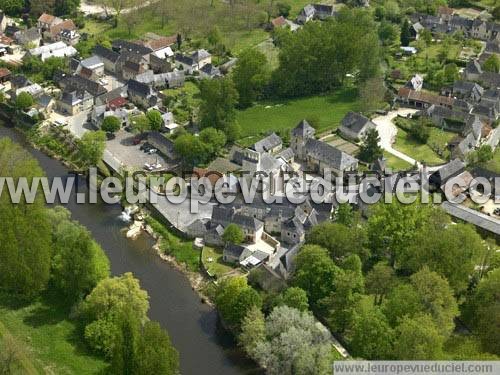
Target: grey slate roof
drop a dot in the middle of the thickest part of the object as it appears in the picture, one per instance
(91, 62)
(247, 222)
(449, 170)
(287, 154)
(473, 125)
(106, 53)
(126, 46)
(355, 122)
(268, 143)
(303, 129)
(473, 67)
(472, 216)
(329, 155)
(234, 250)
(211, 70)
(139, 88)
(77, 82)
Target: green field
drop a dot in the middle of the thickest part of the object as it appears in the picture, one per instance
(415, 150)
(395, 163)
(326, 111)
(48, 342)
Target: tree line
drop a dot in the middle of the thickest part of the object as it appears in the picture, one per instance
(43, 251)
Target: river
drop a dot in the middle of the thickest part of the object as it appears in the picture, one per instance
(193, 327)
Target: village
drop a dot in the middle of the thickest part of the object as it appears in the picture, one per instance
(130, 78)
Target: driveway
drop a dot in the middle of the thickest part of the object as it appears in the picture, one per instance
(387, 132)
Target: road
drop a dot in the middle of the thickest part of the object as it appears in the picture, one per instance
(90, 9)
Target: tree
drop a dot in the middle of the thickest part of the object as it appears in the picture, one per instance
(405, 33)
(426, 36)
(380, 281)
(155, 120)
(253, 331)
(213, 139)
(13, 7)
(118, 6)
(345, 214)
(327, 45)
(24, 101)
(110, 124)
(370, 149)
(492, 64)
(25, 242)
(418, 339)
(123, 359)
(315, 273)
(484, 154)
(191, 149)
(371, 335)
(372, 94)
(66, 7)
(140, 123)
(388, 33)
(250, 76)
(338, 239)
(294, 297)
(113, 302)
(217, 107)
(452, 252)
(451, 73)
(283, 9)
(428, 293)
(483, 311)
(420, 131)
(91, 147)
(78, 262)
(233, 234)
(234, 298)
(496, 12)
(155, 353)
(294, 344)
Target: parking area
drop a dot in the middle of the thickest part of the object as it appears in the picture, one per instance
(122, 147)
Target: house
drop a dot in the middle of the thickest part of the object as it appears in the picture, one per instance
(54, 31)
(473, 71)
(420, 99)
(472, 216)
(70, 37)
(278, 22)
(46, 21)
(57, 49)
(11, 30)
(33, 89)
(415, 30)
(354, 126)
(28, 37)
(92, 64)
(107, 56)
(467, 90)
(445, 13)
(127, 48)
(45, 104)
(74, 102)
(19, 81)
(272, 144)
(157, 42)
(415, 83)
(163, 80)
(132, 69)
(210, 71)
(195, 61)
(447, 171)
(315, 11)
(80, 83)
(162, 144)
(141, 94)
(234, 254)
(319, 156)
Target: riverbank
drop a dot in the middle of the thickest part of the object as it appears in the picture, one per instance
(193, 326)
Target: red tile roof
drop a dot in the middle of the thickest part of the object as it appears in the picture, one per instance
(425, 97)
(279, 21)
(445, 10)
(117, 103)
(65, 25)
(4, 72)
(46, 18)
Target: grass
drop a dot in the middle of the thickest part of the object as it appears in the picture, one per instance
(216, 266)
(271, 52)
(395, 163)
(415, 150)
(326, 111)
(49, 341)
(181, 250)
(494, 164)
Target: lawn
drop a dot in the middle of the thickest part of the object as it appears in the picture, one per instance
(49, 341)
(326, 111)
(212, 260)
(395, 163)
(415, 150)
(494, 164)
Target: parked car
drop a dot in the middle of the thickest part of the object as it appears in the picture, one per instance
(152, 151)
(146, 147)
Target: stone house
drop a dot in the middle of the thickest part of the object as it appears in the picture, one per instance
(354, 126)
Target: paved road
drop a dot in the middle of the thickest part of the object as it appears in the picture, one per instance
(387, 132)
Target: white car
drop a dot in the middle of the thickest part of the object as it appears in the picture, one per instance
(152, 151)
(59, 122)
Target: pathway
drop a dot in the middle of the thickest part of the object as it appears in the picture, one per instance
(387, 132)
